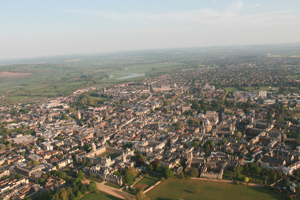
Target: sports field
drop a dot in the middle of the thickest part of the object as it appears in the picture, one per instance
(208, 190)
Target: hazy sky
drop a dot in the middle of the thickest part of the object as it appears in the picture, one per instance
(33, 28)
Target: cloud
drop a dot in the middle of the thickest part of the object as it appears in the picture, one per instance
(281, 11)
(231, 15)
(236, 6)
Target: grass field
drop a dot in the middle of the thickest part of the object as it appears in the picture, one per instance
(107, 154)
(208, 190)
(227, 175)
(99, 195)
(112, 185)
(146, 182)
(95, 179)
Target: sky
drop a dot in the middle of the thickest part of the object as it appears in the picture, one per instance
(37, 28)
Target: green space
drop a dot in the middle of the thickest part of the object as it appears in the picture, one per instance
(227, 175)
(147, 181)
(231, 89)
(99, 195)
(112, 185)
(294, 77)
(208, 190)
(254, 177)
(107, 154)
(129, 191)
(95, 179)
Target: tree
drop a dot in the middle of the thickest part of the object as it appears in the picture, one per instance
(139, 161)
(287, 183)
(257, 170)
(194, 172)
(79, 195)
(35, 163)
(274, 177)
(128, 179)
(57, 166)
(62, 175)
(149, 167)
(92, 187)
(63, 194)
(158, 166)
(132, 171)
(80, 175)
(42, 180)
(249, 131)
(180, 124)
(141, 195)
(87, 147)
(224, 141)
(246, 179)
(168, 173)
(261, 174)
(83, 189)
(196, 144)
(298, 190)
(238, 175)
(18, 176)
(181, 175)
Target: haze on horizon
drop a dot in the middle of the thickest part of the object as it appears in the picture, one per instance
(36, 28)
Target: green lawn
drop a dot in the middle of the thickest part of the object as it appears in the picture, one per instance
(112, 185)
(231, 89)
(208, 190)
(150, 180)
(99, 195)
(107, 154)
(95, 179)
(227, 175)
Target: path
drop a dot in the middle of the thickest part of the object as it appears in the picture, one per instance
(110, 190)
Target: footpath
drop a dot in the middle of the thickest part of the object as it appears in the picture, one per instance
(110, 190)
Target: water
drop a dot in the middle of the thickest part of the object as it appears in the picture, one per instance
(130, 75)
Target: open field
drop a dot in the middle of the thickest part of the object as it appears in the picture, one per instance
(107, 154)
(99, 195)
(146, 182)
(208, 190)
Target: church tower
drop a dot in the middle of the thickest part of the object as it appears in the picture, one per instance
(79, 115)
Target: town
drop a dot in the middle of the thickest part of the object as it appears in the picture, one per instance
(127, 139)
